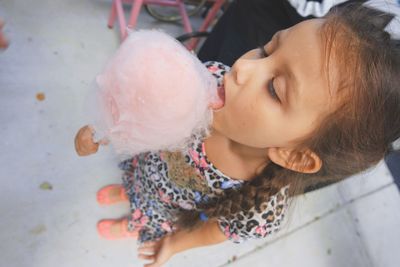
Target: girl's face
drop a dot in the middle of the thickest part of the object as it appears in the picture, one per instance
(276, 94)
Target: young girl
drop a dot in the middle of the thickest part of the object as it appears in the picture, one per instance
(317, 103)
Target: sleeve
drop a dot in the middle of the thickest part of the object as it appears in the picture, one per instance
(217, 69)
(316, 8)
(252, 224)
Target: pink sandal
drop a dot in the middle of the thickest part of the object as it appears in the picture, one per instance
(104, 229)
(103, 195)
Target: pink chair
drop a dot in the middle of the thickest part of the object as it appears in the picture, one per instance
(206, 23)
(117, 12)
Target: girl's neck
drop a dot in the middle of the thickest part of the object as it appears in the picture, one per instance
(234, 159)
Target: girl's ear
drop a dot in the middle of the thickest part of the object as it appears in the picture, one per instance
(305, 161)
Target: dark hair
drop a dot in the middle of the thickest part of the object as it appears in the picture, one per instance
(352, 138)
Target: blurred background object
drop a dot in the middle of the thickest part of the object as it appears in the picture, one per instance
(3, 39)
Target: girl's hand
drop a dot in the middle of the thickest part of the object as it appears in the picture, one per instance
(84, 144)
(159, 252)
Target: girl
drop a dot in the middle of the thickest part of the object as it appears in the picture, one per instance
(317, 103)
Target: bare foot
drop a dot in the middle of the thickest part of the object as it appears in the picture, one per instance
(118, 228)
(111, 194)
(115, 229)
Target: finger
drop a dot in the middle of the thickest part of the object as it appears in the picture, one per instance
(154, 264)
(146, 250)
(146, 257)
(148, 244)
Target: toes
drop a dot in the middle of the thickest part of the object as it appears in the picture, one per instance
(110, 194)
(115, 229)
(148, 244)
(100, 197)
(103, 228)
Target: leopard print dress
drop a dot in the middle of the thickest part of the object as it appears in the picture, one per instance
(159, 184)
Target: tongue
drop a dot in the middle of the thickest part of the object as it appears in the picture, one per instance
(219, 99)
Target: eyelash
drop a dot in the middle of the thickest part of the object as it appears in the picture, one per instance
(272, 90)
(270, 85)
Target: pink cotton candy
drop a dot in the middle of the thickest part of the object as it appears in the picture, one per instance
(153, 95)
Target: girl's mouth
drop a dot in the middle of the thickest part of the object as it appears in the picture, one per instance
(219, 97)
(219, 101)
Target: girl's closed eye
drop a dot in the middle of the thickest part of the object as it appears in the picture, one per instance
(270, 85)
(272, 91)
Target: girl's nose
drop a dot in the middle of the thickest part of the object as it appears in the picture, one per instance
(242, 70)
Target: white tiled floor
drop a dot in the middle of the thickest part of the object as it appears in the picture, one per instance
(377, 218)
(57, 47)
(328, 242)
(365, 182)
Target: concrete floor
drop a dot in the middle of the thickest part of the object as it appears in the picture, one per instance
(57, 48)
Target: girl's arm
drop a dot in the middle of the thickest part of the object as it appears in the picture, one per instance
(161, 251)
(207, 234)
